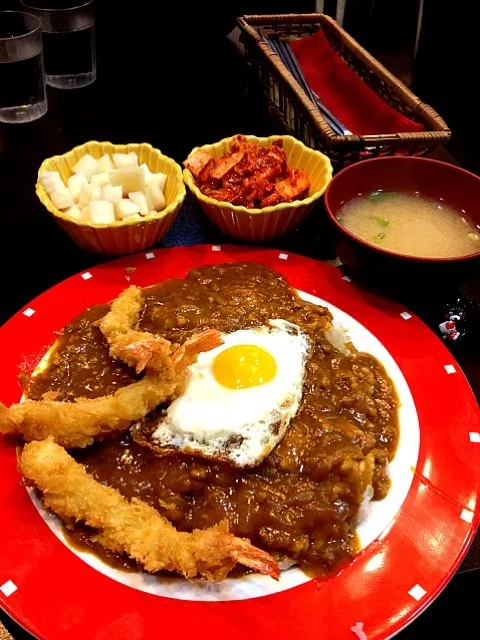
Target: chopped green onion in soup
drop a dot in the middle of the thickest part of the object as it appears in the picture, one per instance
(417, 226)
(381, 221)
(378, 196)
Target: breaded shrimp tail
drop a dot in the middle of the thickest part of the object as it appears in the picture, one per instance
(76, 424)
(138, 349)
(133, 527)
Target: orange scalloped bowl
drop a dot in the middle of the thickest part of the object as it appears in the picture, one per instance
(119, 237)
(260, 225)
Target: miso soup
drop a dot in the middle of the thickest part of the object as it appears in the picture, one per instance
(410, 224)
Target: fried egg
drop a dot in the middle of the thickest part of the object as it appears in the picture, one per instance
(239, 397)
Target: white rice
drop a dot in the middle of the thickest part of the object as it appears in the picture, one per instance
(338, 337)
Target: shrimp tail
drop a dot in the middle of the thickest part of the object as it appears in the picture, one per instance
(206, 340)
(132, 526)
(245, 553)
(145, 351)
(142, 349)
(78, 423)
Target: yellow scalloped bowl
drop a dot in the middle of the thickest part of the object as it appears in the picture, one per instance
(122, 236)
(270, 222)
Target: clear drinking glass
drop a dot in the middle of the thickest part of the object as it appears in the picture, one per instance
(68, 41)
(22, 82)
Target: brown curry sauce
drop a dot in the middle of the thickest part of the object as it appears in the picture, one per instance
(302, 501)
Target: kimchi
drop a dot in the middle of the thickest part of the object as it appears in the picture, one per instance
(249, 175)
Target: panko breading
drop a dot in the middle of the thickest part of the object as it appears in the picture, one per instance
(192, 514)
(135, 348)
(133, 527)
(77, 424)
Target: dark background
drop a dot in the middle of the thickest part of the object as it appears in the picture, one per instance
(168, 75)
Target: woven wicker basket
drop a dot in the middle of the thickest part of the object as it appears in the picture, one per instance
(288, 102)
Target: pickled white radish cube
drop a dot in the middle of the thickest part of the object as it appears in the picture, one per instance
(129, 178)
(62, 198)
(140, 199)
(89, 192)
(122, 160)
(160, 179)
(101, 212)
(146, 172)
(51, 180)
(155, 196)
(134, 216)
(111, 193)
(86, 165)
(100, 178)
(74, 212)
(105, 164)
(75, 183)
(125, 208)
(86, 213)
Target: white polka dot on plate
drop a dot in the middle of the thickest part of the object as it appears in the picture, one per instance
(417, 592)
(467, 516)
(8, 588)
(357, 629)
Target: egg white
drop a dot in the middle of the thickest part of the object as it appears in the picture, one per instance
(241, 426)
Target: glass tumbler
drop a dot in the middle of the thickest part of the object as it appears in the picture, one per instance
(22, 81)
(68, 41)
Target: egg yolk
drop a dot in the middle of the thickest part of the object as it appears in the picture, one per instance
(243, 366)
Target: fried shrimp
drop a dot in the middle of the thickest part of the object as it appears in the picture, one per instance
(142, 349)
(124, 313)
(77, 424)
(133, 527)
(139, 349)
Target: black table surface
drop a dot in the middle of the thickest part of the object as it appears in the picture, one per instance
(190, 92)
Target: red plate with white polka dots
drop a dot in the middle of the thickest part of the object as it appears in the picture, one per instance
(412, 544)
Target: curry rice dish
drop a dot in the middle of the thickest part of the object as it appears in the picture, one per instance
(294, 492)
